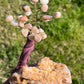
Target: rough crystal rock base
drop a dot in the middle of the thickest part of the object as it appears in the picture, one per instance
(46, 72)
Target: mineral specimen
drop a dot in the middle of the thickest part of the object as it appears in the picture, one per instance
(46, 72)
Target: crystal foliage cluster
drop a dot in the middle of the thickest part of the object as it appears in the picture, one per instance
(27, 29)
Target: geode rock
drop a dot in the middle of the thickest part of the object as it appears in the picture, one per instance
(46, 72)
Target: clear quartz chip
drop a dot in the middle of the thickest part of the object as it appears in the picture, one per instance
(14, 23)
(44, 8)
(44, 1)
(33, 1)
(57, 15)
(28, 13)
(26, 8)
(25, 32)
(9, 18)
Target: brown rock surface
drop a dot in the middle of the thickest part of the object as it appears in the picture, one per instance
(46, 72)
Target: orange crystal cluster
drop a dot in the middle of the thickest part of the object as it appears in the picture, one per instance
(46, 72)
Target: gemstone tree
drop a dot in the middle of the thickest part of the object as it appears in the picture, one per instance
(29, 30)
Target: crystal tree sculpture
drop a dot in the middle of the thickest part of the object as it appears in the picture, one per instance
(33, 34)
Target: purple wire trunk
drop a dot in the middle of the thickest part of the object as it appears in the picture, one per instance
(25, 55)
